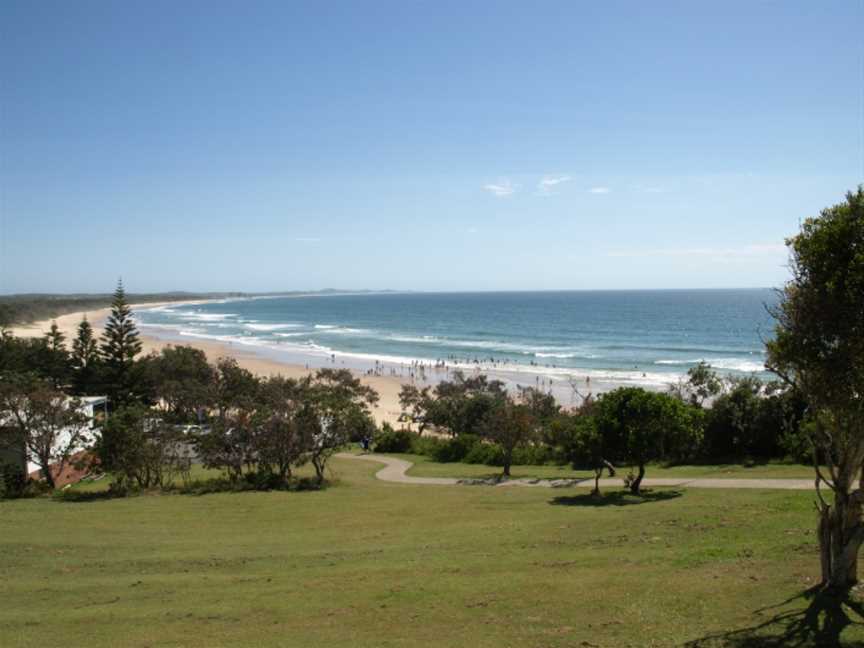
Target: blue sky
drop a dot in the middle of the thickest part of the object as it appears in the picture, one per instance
(433, 146)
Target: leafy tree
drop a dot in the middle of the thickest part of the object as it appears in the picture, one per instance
(641, 426)
(733, 428)
(542, 406)
(230, 445)
(819, 349)
(182, 382)
(459, 406)
(26, 356)
(119, 346)
(279, 424)
(279, 443)
(84, 360)
(702, 384)
(415, 403)
(333, 401)
(233, 387)
(587, 448)
(509, 425)
(139, 449)
(49, 426)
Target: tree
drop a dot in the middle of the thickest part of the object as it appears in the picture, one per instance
(733, 427)
(586, 448)
(415, 403)
(84, 359)
(139, 449)
(182, 382)
(702, 384)
(279, 442)
(641, 426)
(55, 337)
(120, 344)
(542, 406)
(818, 348)
(230, 445)
(49, 426)
(233, 387)
(510, 425)
(57, 368)
(333, 401)
(459, 406)
(26, 356)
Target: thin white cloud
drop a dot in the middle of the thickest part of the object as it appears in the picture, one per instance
(599, 190)
(752, 250)
(306, 239)
(502, 188)
(472, 230)
(545, 186)
(654, 189)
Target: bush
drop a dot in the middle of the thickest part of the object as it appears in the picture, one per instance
(455, 449)
(253, 481)
(534, 455)
(425, 446)
(13, 482)
(488, 454)
(398, 441)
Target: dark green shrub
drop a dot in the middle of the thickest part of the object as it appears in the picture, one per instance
(399, 441)
(426, 446)
(13, 482)
(264, 480)
(533, 455)
(487, 454)
(455, 449)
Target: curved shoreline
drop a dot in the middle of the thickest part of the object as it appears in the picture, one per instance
(386, 410)
(394, 471)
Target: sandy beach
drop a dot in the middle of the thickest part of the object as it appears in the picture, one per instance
(388, 387)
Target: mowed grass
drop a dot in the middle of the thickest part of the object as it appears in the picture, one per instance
(426, 467)
(367, 563)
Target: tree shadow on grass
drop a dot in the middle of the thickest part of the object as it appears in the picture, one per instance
(79, 497)
(821, 623)
(616, 498)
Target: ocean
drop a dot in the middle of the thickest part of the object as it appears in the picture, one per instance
(606, 338)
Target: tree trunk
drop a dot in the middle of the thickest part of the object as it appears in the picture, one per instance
(319, 469)
(840, 534)
(637, 483)
(597, 473)
(45, 468)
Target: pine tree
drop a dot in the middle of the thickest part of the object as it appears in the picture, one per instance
(57, 366)
(120, 341)
(85, 351)
(56, 339)
(119, 346)
(84, 361)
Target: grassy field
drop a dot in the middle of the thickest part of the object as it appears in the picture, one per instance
(366, 563)
(425, 467)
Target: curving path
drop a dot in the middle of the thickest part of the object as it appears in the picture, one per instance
(394, 471)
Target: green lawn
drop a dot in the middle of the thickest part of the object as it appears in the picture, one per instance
(367, 563)
(425, 467)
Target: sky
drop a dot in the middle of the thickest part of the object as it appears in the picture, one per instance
(263, 146)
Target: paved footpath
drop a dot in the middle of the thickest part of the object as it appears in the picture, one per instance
(394, 471)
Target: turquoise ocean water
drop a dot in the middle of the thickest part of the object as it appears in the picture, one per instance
(610, 337)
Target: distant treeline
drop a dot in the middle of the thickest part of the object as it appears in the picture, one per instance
(33, 307)
(23, 309)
